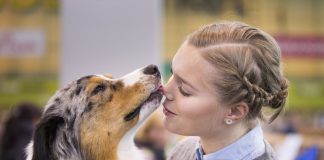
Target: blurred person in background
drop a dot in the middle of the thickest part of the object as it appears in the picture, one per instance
(152, 138)
(224, 74)
(18, 130)
(288, 124)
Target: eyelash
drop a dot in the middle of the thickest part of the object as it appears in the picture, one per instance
(183, 93)
(180, 88)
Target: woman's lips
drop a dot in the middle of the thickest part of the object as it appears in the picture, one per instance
(167, 112)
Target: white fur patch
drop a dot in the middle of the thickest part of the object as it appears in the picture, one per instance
(103, 77)
(133, 77)
(29, 151)
(126, 147)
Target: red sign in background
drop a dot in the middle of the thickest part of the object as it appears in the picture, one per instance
(301, 46)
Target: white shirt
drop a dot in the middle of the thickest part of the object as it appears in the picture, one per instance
(249, 146)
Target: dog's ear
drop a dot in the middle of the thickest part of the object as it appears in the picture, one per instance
(44, 136)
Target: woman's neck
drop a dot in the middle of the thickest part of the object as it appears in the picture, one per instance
(216, 142)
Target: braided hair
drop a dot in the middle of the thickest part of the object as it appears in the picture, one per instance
(248, 62)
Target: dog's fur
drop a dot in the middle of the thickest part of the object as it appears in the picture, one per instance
(96, 117)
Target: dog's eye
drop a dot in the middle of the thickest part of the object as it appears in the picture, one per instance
(98, 89)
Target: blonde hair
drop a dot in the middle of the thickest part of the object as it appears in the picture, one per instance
(248, 61)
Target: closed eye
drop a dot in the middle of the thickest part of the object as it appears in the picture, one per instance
(183, 92)
(99, 88)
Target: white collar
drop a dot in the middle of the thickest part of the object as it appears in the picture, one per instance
(249, 146)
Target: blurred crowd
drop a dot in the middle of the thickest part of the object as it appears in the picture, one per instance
(17, 129)
(287, 135)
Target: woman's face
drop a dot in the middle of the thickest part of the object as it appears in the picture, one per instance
(191, 106)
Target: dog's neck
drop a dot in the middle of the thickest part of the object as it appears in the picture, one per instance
(127, 148)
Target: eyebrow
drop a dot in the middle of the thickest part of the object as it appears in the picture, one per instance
(181, 79)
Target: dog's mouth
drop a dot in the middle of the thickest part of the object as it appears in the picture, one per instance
(157, 94)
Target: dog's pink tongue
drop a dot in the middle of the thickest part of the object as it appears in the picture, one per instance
(160, 89)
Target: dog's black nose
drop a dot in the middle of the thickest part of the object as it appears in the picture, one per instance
(152, 70)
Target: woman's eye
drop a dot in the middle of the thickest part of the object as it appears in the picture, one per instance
(98, 89)
(183, 92)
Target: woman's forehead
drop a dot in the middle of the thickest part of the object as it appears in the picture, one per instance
(187, 55)
(192, 67)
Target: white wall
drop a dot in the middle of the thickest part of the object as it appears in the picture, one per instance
(109, 36)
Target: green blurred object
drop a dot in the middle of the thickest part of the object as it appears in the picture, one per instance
(166, 71)
(306, 94)
(31, 88)
(2, 3)
(52, 5)
(25, 6)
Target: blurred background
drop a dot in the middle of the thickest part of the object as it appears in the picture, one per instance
(44, 44)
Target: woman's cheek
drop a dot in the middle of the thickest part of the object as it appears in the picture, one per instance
(189, 108)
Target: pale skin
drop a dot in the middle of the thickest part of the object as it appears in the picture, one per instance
(192, 106)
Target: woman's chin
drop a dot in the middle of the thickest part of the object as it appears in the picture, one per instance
(170, 125)
(173, 127)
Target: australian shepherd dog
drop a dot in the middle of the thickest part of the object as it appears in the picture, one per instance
(96, 117)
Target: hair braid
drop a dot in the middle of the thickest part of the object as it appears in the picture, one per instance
(260, 97)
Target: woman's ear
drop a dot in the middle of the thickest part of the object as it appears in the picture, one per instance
(238, 111)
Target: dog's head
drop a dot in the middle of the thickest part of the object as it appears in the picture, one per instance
(92, 115)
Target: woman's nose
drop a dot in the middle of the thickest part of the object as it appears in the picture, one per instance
(167, 90)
